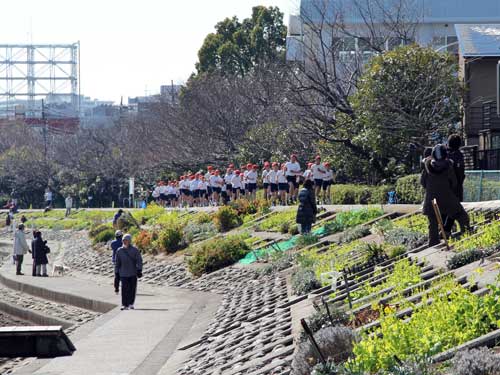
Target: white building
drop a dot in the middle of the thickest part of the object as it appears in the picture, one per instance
(435, 20)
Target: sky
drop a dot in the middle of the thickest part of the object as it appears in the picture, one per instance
(128, 47)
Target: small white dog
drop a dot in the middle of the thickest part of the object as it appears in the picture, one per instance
(59, 268)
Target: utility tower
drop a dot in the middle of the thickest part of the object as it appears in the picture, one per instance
(39, 84)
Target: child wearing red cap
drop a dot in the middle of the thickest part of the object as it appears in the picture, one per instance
(251, 179)
(318, 173)
(266, 183)
(292, 174)
(283, 185)
(228, 177)
(273, 181)
(156, 192)
(327, 183)
(216, 183)
(307, 175)
(236, 184)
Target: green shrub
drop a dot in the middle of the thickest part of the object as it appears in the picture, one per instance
(96, 229)
(409, 190)
(169, 239)
(359, 194)
(285, 227)
(104, 236)
(293, 229)
(306, 240)
(464, 258)
(226, 218)
(304, 281)
(198, 231)
(202, 218)
(216, 253)
(126, 221)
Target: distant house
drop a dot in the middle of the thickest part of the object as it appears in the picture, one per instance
(435, 21)
(479, 55)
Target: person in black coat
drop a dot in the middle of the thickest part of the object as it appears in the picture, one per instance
(307, 210)
(456, 156)
(439, 181)
(40, 250)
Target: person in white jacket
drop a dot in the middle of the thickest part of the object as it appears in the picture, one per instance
(69, 204)
(20, 248)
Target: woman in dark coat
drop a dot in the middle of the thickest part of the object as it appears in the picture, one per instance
(307, 210)
(40, 250)
(439, 181)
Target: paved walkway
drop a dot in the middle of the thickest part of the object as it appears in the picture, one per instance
(139, 341)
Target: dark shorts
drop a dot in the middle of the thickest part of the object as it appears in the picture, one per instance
(235, 190)
(172, 197)
(185, 191)
(203, 193)
(326, 184)
(265, 185)
(283, 187)
(318, 182)
(209, 190)
(163, 197)
(274, 188)
(293, 180)
(216, 190)
(251, 187)
(195, 193)
(229, 187)
(224, 194)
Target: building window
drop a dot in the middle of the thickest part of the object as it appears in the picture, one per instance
(445, 43)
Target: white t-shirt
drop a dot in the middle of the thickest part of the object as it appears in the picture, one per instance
(207, 176)
(251, 177)
(163, 189)
(236, 182)
(185, 184)
(156, 192)
(318, 171)
(292, 169)
(215, 181)
(328, 176)
(272, 176)
(280, 176)
(244, 178)
(169, 189)
(228, 178)
(193, 185)
(308, 174)
(265, 176)
(202, 185)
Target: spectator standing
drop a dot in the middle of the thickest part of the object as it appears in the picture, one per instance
(115, 245)
(48, 198)
(69, 204)
(129, 267)
(40, 250)
(20, 248)
(116, 217)
(292, 173)
(439, 181)
(307, 210)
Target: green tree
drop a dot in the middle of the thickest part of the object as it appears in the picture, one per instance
(406, 99)
(237, 46)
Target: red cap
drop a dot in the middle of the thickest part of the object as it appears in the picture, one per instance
(255, 166)
(249, 165)
(327, 164)
(317, 157)
(237, 171)
(275, 164)
(191, 177)
(293, 156)
(231, 165)
(266, 164)
(209, 168)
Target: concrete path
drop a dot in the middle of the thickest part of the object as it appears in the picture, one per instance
(136, 342)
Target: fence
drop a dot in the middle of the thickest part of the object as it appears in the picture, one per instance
(482, 186)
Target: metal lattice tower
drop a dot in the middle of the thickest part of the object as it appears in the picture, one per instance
(32, 73)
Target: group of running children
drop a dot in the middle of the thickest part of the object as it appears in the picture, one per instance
(279, 182)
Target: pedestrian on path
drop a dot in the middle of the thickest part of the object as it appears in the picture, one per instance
(129, 267)
(307, 210)
(48, 198)
(20, 248)
(115, 245)
(69, 204)
(40, 250)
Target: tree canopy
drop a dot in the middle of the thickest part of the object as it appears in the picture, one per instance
(237, 46)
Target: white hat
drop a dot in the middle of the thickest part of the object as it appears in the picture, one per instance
(127, 237)
(118, 233)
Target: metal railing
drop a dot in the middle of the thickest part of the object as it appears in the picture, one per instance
(482, 186)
